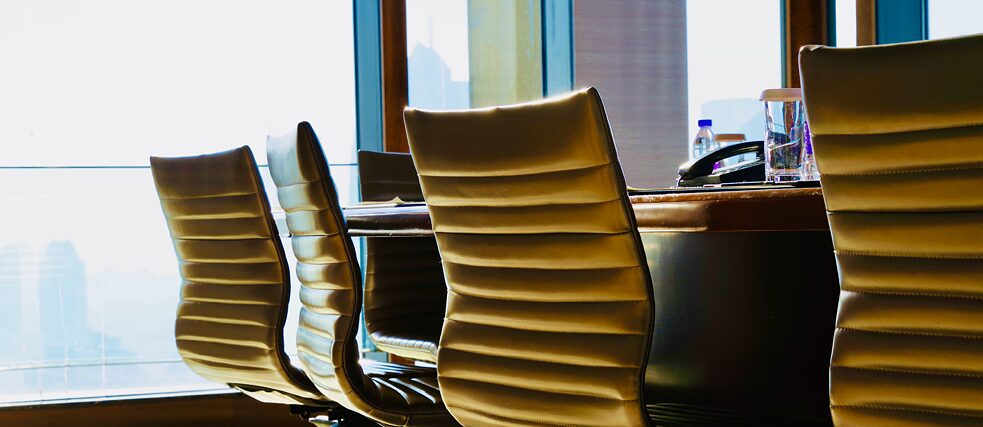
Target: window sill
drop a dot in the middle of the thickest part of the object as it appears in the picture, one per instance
(134, 397)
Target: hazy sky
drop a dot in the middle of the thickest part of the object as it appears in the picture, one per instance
(733, 51)
(110, 82)
(950, 18)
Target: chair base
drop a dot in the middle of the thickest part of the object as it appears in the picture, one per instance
(340, 417)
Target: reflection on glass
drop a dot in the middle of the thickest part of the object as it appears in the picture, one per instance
(733, 52)
(951, 18)
(473, 53)
(89, 285)
(437, 54)
(88, 277)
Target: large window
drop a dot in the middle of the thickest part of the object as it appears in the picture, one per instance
(88, 91)
(846, 23)
(473, 53)
(662, 65)
(659, 65)
(733, 51)
(951, 18)
(437, 54)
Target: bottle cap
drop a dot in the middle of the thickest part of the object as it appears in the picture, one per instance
(704, 122)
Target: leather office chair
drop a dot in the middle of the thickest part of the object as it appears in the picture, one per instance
(549, 311)
(898, 136)
(235, 285)
(395, 395)
(405, 294)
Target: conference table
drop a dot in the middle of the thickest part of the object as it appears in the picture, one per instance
(745, 288)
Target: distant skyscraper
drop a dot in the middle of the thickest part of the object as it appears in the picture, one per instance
(70, 351)
(11, 320)
(430, 84)
(62, 296)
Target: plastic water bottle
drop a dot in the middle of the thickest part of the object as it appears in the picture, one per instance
(703, 143)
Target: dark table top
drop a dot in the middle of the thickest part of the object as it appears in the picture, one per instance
(768, 209)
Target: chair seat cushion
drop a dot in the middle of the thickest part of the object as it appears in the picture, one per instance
(418, 343)
(676, 414)
(409, 389)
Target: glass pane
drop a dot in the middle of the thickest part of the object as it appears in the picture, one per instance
(733, 52)
(473, 53)
(846, 23)
(437, 53)
(662, 65)
(112, 82)
(88, 299)
(951, 18)
(88, 277)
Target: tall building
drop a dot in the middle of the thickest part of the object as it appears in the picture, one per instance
(11, 280)
(63, 300)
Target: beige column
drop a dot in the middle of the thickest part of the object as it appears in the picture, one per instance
(505, 55)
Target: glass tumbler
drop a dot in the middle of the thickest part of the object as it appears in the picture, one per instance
(785, 128)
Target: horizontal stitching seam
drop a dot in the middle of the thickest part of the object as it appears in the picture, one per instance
(550, 268)
(210, 196)
(513, 232)
(909, 371)
(586, 234)
(203, 360)
(531, 301)
(530, 359)
(908, 409)
(926, 130)
(516, 175)
(522, 205)
(913, 294)
(516, 328)
(926, 334)
(564, 393)
(907, 256)
(512, 419)
(509, 267)
(906, 171)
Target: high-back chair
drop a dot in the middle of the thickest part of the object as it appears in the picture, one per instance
(405, 294)
(898, 136)
(384, 176)
(395, 395)
(549, 312)
(235, 282)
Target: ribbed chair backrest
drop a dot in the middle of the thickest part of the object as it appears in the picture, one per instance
(405, 294)
(235, 283)
(331, 293)
(385, 176)
(549, 312)
(898, 136)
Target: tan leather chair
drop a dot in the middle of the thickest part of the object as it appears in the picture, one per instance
(405, 293)
(235, 285)
(385, 176)
(898, 136)
(549, 312)
(390, 394)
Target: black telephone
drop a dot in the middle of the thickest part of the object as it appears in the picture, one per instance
(700, 172)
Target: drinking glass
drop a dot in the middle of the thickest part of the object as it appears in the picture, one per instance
(784, 142)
